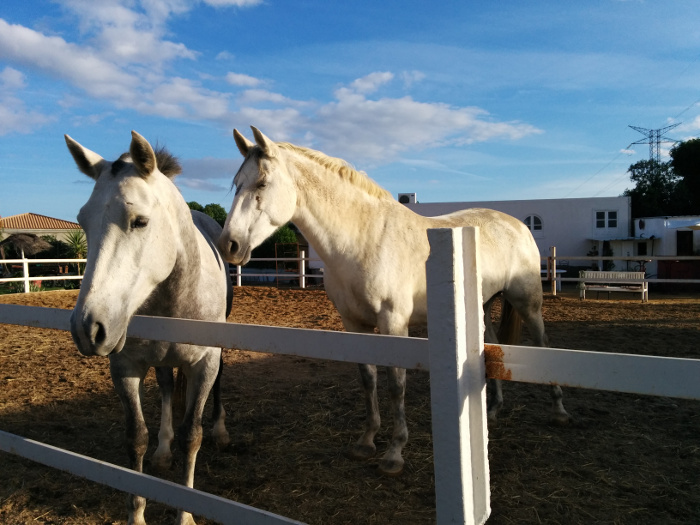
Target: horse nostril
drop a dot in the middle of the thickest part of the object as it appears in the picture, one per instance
(98, 334)
(234, 247)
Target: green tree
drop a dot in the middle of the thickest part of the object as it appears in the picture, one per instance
(685, 161)
(656, 190)
(283, 235)
(216, 212)
(77, 247)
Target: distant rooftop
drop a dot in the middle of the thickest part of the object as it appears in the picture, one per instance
(33, 221)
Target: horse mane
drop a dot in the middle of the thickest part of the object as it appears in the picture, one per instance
(167, 163)
(342, 168)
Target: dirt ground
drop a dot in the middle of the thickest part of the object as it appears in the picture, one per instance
(626, 459)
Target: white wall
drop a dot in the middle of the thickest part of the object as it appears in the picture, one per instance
(568, 224)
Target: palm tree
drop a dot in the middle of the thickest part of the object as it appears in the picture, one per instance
(77, 247)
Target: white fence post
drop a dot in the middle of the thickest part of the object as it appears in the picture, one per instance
(25, 269)
(302, 269)
(457, 377)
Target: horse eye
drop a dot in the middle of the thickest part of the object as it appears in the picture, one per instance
(139, 222)
(261, 185)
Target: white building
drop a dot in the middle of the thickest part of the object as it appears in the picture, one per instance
(670, 236)
(574, 226)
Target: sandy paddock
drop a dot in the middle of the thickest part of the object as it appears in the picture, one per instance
(627, 459)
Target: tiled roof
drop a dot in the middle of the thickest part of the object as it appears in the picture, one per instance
(32, 221)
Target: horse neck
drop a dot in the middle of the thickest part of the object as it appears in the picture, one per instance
(182, 283)
(332, 213)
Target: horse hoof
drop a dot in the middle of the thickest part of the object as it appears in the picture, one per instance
(391, 468)
(162, 463)
(561, 420)
(360, 452)
(222, 442)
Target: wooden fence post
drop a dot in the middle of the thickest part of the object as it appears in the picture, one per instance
(553, 274)
(457, 377)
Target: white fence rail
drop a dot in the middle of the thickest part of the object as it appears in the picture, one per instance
(455, 355)
(27, 279)
(302, 275)
(239, 274)
(552, 263)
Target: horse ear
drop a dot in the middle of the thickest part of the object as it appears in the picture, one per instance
(268, 147)
(142, 155)
(242, 143)
(88, 161)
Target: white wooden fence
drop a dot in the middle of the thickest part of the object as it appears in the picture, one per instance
(638, 263)
(26, 278)
(238, 273)
(454, 354)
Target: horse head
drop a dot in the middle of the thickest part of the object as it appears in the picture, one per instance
(130, 236)
(265, 197)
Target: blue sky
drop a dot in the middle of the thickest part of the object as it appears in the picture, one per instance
(456, 101)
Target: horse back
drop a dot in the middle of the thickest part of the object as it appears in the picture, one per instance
(214, 268)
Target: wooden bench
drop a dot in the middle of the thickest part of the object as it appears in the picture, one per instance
(601, 281)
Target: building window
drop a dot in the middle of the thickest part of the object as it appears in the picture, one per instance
(606, 219)
(534, 224)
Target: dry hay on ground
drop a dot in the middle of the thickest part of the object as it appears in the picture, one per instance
(627, 459)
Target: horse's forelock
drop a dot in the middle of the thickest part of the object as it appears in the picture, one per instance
(167, 163)
(254, 155)
(119, 164)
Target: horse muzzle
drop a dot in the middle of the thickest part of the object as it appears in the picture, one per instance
(233, 251)
(91, 337)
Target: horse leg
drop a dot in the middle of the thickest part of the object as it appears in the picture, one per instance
(127, 383)
(365, 448)
(163, 457)
(532, 316)
(493, 386)
(392, 462)
(200, 379)
(219, 432)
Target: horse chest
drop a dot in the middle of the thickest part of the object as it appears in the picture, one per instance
(158, 353)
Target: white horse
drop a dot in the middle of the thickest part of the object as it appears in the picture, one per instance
(148, 254)
(375, 250)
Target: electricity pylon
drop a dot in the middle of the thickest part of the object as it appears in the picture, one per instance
(654, 137)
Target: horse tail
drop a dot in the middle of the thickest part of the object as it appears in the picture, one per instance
(180, 393)
(510, 329)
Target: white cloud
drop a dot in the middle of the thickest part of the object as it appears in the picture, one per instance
(689, 127)
(239, 79)
(411, 77)
(11, 79)
(371, 82)
(383, 128)
(628, 151)
(210, 167)
(258, 96)
(202, 185)
(225, 55)
(101, 78)
(14, 116)
(232, 3)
